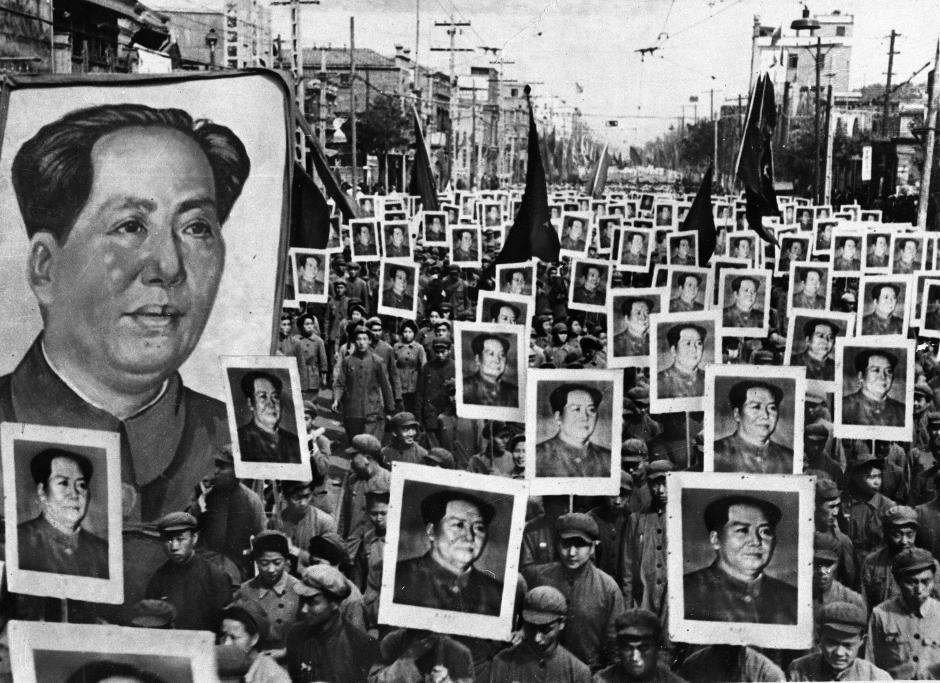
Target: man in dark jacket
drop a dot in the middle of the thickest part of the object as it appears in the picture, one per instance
(435, 389)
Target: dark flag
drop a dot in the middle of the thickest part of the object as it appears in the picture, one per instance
(309, 212)
(346, 205)
(531, 233)
(755, 159)
(701, 219)
(599, 177)
(422, 179)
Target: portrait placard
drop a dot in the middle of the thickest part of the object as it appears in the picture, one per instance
(681, 346)
(930, 317)
(716, 265)
(398, 295)
(794, 247)
(516, 278)
(682, 248)
(310, 273)
(846, 253)
(884, 304)
(687, 288)
(465, 242)
(606, 227)
(396, 240)
(573, 234)
(744, 245)
(433, 228)
(811, 340)
(505, 309)
(628, 325)
(745, 302)
(635, 250)
(590, 280)
(877, 249)
(364, 239)
(908, 253)
(492, 361)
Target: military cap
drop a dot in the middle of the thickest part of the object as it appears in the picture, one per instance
(634, 447)
(231, 661)
(339, 282)
(815, 399)
(454, 268)
(373, 321)
(177, 521)
(843, 617)
(924, 389)
(442, 457)
(270, 541)
(544, 316)
(441, 342)
(289, 488)
(672, 334)
(866, 460)
(250, 613)
(559, 328)
(408, 323)
(876, 290)
(354, 329)
(329, 547)
(153, 614)
(861, 359)
(352, 265)
(223, 455)
(639, 395)
(311, 407)
(933, 418)
(402, 420)
(816, 432)
(900, 515)
(659, 468)
(590, 343)
(629, 408)
(626, 480)
(514, 441)
(445, 307)
(738, 393)
(848, 297)
(321, 578)
(826, 489)
(628, 302)
(434, 505)
(762, 357)
(377, 496)
(356, 307)
(559, 396)
(443, 322)
(638, 624)
(912, 560)
(543, 605)
(825, 547)
(577, 525)
(365, 444)
(476, 344)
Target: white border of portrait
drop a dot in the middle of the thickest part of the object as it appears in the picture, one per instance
(842, 233)
(474, 227)
(88, 640)
(481, 412)
(919, 238)
(681, 404)
(917, 302)
(448, 621)
(674, 237)
(791, 237)
(605, 266)
(577, 486)
(814, 265)
(403, 313)
(386, 228)
(704, 275)
(110, 590)
(586, 219)
(768, 373)
(623, 244)
(530, 266)
(923, 330)
(852, 431)
(354, 225)
(618, 293)
(868, 242)
(423, 231)
(324, 255)
(756, 257)
(904, 306)
(797, 636)
(483, 206)
(267, 470)
(717, 264)
(616, 222)
(764, 276)
(847, 319)
(486, 297)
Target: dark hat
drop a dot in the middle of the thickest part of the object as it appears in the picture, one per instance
(476, 344)
(826, 489)
(153, 614)
(900, 515)
(408, 323)
(861, 358)
(321, 578)
(933, 418)
(590, 343)
(815, 399)
(672, 334)
(330, 547)
(402, 420)
(639, 395)
(762, 357)
(866, 460)
(543, 605)
(514, 441)
(924, 389)
(577, 525)
(434, 505)
(270, 541)
(289, 488)
(825, 547)
(441, 342)
(738, 393)
(628, 302)
(365, 444)
(843, 617)
(177, 521)
(355, 329)
(223, 455)
(638, 624)
(659, 468)
(373, 321)
(626, 480)
(809, 327)
(816, 431)
(559, 396)
(912, 560)
(377, 496)
(356, 307)
(454, 268)
(559, 328)
(442, 457)
(248, 612)
(311, 407)
(634, 447)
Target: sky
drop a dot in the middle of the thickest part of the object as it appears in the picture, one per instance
(554, 44)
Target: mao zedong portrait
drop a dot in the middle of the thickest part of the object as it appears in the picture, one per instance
(871, 405)
(819, 335)
(685, 377)
(755, 407)
(634, 339)
(742, 530)
(55, 540)
(457, 525)
(125, 268)
(487, 386)
(308, 274)
(741, 312)
(262, 439)
(571, 452)
(396, 295)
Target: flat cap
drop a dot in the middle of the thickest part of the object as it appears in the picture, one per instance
(866, 460)
(441, 342)
(223, 455)
(638, 395)
(816, 432)
(311, 407)
(635, 624)
(626, 480)
(843, 617)
(177, 521)
(442, 457)
(324, 579)
(577, 525)
(559, 328)
(543, 605)
(153, 614)
(250, 612)
(825, 547)
(814, 398)
(402, 420)
(861, 358)
(933, 418)
(659, 468)
(289, 488)
(923, 389)
(826, 489)
(590, 343)
(270, 541)
(899, 515)
(476, 344)
(366, 444)
(913, 560)
(329, 547)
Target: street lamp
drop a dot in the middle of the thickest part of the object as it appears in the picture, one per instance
(212, 39)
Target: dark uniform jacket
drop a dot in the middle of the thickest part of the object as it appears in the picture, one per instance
(477, 391)
(257, 445)
(628, 344)
(432, 393)
(422, 582)
(364, 386)
(875, 324)
(196, 588)
(858, 409)
(310, 353)
(680, 305)
(43, 548)
(522, 663)
(395, 300)
(814, 667)
(594, 297)
(333, 652)
(734, 454)
(712, 595)
(555, 458)
(824, 370)
(733, 316)
(673, 383)
(815, 302)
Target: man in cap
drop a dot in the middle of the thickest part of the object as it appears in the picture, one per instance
(687, 299)
(357, 288)
(864, 505)
(153, 614)
(928, 514)
(439, 457)
(925, 454)
(841, 634)
(826, 519)
(819, 336)
(330, 549)
(902, 631)
(404, 446)
(816, 458)
(571, 452)
(368, 561)
(685, 377)
(365, 474)
(634, 339)
(826, 587)
(538, 536)
(871, 405)
(594, 599)
(899, 525)
(923, 406)
(612, 515)
(741, 312)
(323, 646)
(444, 577)
(644, 552)
(809, 296)
(540, 655)
(755, 407)
(336, 317)
(454, 290)
(245, 626)
(412, 654)
(196, 588)
(362, 389)
(298, 519)
(310, 352)
(434, 391)
(882, 319)
(263, 439)
(639, 637)
(384, 350)
(488, 386)
(742, 531)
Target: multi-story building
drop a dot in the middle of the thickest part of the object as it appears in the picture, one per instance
(234, 34)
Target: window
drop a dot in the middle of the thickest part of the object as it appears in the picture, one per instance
(840, 30)
(514, 92)
(792, 61)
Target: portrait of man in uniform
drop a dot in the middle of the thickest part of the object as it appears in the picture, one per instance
(808, 286)
(398, 289)
(823, 242)
(792, 250)
(804, 217)
(487, 385)
(606, 226)
(687, 287)
(435, 227)
(744, 247)
(574, 234)
(663, 215)
(516, 281)
(634, 338)
(876, 255)
(493, 216)
(907, 254)
(490, 369)
(589, 284)
(685, 377)
(930, 302)
(263, 438)
(818, 339)
(746, 300)
(876, 383)
(682, 249)
(396, 240)
(845, 255)
(634, 249)
(882, 301)
(309, 277)
(364, 238)
(465, 245)
(572, 451)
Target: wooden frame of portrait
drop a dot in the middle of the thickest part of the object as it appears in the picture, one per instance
(798, 317)
(792, 380)
(518, 356)
(616, 297)
(277, 365)
(477, 244)
(295, 255)
(44, 650)
(725, 283)
(498, 491)
(103, 449)
(660, 323)
(867, 283)
(687, 494)
(383, 307)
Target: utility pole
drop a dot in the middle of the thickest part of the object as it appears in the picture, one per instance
(931, 141)
(322, 116)
(827, 186)
(452, 28)
(884, 112)
(817, 190)
(499, 63)
(352, 104)
(711, 106)
(755, 33)
(473, 139)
